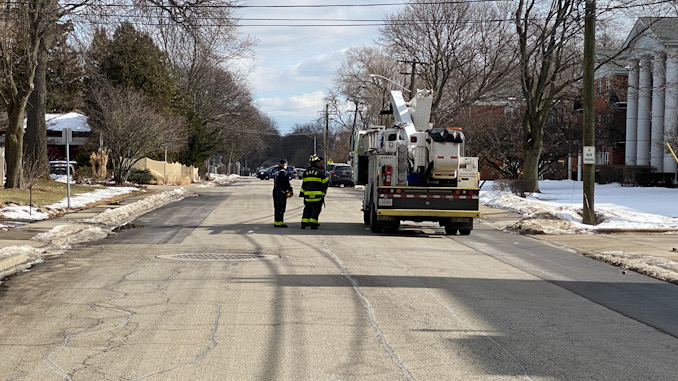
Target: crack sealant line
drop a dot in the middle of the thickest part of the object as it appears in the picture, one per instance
(54, 367)
(370, 313)
(200, 357)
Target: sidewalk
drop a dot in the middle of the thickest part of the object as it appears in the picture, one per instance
(651, 253)
(654, 254)
(19, 249)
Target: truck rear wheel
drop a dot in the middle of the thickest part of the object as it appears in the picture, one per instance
(375, 225)
(392, 227)
(450, 229)
(465, 231)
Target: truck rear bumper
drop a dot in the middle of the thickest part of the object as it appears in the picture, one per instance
(427, 213)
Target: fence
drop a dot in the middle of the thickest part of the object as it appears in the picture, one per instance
(169, 173)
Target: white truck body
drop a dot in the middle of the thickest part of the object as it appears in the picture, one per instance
(412, 171)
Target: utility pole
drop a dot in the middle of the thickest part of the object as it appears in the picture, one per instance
(412, 74)
(589, 156)
(327, 130)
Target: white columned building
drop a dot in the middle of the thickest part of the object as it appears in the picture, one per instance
(632, 112)
(644, 114)
(671, 105)
(652, 97)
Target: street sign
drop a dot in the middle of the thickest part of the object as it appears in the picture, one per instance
(589, 156)
(67, 135)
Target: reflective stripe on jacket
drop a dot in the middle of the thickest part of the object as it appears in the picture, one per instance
(315, 184)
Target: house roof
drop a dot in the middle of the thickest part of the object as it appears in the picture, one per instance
(653, 34)
(73, 120)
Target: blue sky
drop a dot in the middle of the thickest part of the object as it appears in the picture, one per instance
(294, 66)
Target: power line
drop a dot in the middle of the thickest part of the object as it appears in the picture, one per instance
(274, 6)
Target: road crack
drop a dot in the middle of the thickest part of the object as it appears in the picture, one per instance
(370, 312)
(213, 344)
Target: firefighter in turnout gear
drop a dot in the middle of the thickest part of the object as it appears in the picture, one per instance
(313, 191)
(281, 191)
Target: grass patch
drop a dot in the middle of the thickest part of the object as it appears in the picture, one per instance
(44, 193)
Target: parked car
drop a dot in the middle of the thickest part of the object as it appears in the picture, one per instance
(300, 172)
(58, 167)
(293, 172)
(340, 174)
(265, 173)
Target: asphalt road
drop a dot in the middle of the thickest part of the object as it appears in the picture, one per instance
(207, 289)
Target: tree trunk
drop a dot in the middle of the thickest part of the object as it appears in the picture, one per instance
(36, 128)
(14, 140)
(533, 131)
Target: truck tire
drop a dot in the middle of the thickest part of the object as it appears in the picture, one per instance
(375, 225)
(464, 231)
(366, 216)
(450, 229)
(392, 227)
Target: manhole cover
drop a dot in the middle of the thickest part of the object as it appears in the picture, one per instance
(211, 257)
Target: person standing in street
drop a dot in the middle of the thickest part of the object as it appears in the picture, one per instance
(313, 190)
(282, 189)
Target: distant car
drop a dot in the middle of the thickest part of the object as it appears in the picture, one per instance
(294, 174)
(265, 173)
(300, 172)
(340, 174)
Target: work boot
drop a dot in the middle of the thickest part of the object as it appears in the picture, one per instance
(280, 226)
(304, 225)
(314, 226)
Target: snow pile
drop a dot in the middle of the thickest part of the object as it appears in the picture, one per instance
(558, 208)
(16, 258)
(126, 213)
(216, 179)
(64, 236)
(84, 199)
(24, 213)
(656, 267)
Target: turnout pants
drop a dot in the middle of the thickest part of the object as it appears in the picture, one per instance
(279, 206)
(311, 212)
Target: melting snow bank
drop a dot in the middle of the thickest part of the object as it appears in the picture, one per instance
(216, 179)
(656, 267)
(65, 235)
(548, 217)
(17, 258)
(27, 213)
(62, 237)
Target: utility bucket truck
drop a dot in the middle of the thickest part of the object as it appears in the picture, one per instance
(415, 172)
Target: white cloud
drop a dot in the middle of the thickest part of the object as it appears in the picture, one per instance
(294, 109)
(292, 63)
(301, 105)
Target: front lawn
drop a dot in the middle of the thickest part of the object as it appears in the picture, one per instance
(44, 193)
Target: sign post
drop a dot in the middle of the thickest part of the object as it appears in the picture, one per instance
(67, 135)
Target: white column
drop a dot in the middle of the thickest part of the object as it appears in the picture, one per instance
(671, 108)
(632, 112)
(657, 134)
(644, 108)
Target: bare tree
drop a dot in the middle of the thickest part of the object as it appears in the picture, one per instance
(23, 26)
(548, 41)
(131, 126)
(363, 77)
(460, 48)
(205, 26)
(493, 134)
